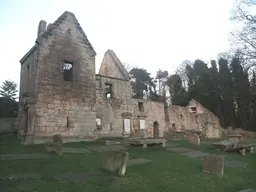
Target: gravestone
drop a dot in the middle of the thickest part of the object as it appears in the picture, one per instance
(116, 162)
(194, 139)
(57, 144)
(214, 165)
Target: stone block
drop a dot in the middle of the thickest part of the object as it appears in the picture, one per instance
(214, 165)
(116, 162)
(194, 139)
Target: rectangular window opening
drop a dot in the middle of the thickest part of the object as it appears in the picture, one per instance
(98, 123)
(68, 71)
(193, 109)
(141, 106)
(108, 91)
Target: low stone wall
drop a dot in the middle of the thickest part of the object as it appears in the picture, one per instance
(32, 140)
(8, 125)
(249, 134)
(246, 134)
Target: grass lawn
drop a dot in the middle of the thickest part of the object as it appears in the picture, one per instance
(168, 171)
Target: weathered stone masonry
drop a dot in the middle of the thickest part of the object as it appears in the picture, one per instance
(60, 92)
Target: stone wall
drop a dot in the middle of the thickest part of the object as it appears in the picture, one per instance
(181, 119)
(109, 110)
(112, 111)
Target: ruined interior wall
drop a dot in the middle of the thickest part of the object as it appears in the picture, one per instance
(153, 112)
(110, 110)
(63, 106)
(206, 122)
(178, 119)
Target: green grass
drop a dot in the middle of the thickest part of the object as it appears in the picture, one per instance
(168, 171)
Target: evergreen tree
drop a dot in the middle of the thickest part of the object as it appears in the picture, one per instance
(226, 93)
(9, 89)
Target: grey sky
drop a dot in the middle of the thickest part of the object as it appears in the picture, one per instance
(150, 34)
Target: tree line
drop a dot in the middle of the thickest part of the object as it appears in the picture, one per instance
(223, 87)
(227, 87)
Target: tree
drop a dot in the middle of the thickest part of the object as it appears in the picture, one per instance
(127, 67)
(200, 84)
(216, 91)
(161, 78)
(177, 92)
(9, 89)
(142, 83)
(226, 92)
(244, 41)
(8, 107)
(241, 93)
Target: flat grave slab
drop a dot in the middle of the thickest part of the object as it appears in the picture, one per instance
(169, 145)
(179, 149)
(195, 154)
(106, 148)
(248, 190)
(138, 161)
(79, 176)
(235, 164)
(23, 156)
(75, 150)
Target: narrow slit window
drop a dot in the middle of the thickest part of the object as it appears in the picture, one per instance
(68, 71)
(140, 106)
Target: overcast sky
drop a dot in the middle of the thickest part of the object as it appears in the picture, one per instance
(150, 34)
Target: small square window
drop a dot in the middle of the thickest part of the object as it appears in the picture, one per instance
(68, 71)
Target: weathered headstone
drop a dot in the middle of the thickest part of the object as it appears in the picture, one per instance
(56, 145)
(194, 139)
(214, 165)
(116, 162)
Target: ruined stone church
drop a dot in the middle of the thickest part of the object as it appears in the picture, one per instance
(60, 93)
